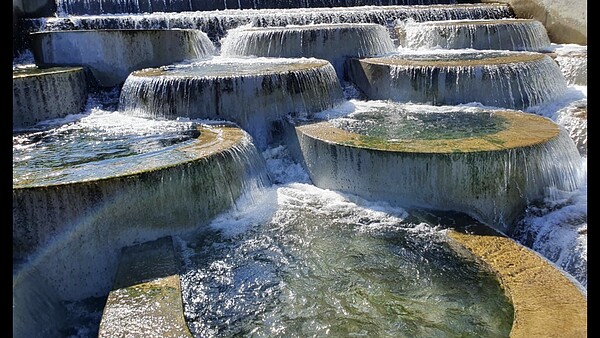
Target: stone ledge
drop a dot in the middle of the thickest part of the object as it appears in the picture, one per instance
(146, 298)
(546, 302)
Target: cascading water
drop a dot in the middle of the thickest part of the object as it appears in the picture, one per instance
(471, 160)
(253, 92)
(70, 7)
(111, 55)
(284, 260)
(572, 60)
(217, 23)
(507, 79)
(87, 188)
(502, 34)
(332, 42)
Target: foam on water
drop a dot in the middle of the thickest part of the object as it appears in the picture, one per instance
(502, 34)
(307, 261)
(217, 23)
(82, 149)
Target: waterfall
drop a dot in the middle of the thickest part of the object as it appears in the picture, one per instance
(332, 42)
(516, 162)
(503, 34)
(75, 7)
(250, 92)
(217, 23)
(93, 217)
(514, 80)
(112, 54)
(323, 244)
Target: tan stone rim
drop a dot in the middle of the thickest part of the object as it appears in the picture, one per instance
(474, 22)
(35, 72)
(212, 140)
(546, 303)
(524, 130)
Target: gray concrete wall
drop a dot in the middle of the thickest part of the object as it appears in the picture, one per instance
(565, 20)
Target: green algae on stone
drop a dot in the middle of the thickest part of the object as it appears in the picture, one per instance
(520, 130)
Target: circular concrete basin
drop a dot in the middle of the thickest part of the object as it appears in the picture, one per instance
(252, 92)
(42, 94)
(111, 54)
(497, 34)
(486, 163)
(502, 79)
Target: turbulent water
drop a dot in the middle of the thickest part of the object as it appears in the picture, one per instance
(273, 266)
(507, 34)
(66, 7)
(217, 23)
(312, 262)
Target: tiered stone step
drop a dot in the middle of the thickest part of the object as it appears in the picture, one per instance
(111, 55)
(46, 93)
(216, 23)
(145, 300)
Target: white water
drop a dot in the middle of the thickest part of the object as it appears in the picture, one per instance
(430, 77)
(304, 261)
(507, 34)
(216, 23)
(558, 227)
(66, 7)
(332, 42)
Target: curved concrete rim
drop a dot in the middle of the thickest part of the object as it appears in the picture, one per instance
(33, 72)
(492, 59)
(284, 67)
(546, 302)
(213, 139)
(524, 130)
(475, 22)
(316, 27)
(111, 30)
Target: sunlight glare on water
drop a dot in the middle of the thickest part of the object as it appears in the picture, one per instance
(312, 262)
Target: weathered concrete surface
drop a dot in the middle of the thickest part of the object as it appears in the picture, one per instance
(546, 302)
(140, 199)
(146, 298)
(475, 174)
(42, 94)
(565, 21)
(111, 55)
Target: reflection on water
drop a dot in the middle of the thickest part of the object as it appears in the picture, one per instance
(397, 122)
(320, 264)
(90, 143)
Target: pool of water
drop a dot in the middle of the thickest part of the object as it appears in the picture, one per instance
(233, 67)
(89, 146)
(413, 122)
(308, 262)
